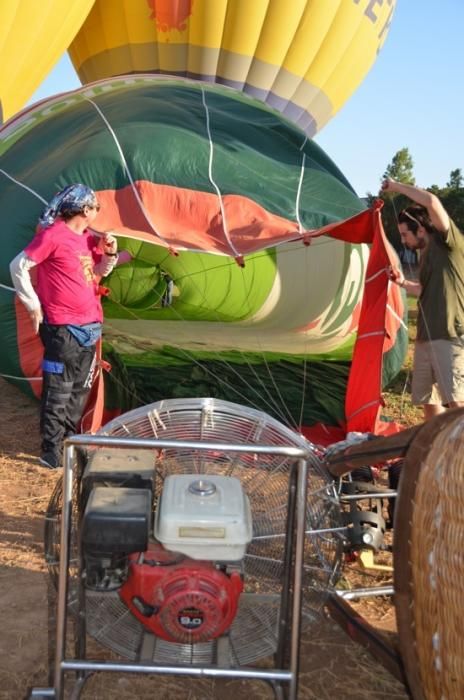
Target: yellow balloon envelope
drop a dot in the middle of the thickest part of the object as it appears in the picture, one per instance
(302, 57)
(33, 36)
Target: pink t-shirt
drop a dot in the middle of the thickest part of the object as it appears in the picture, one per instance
(66, 285)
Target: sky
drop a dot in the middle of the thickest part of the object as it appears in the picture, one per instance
(412, 97)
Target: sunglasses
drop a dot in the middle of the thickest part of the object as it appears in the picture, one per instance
(413, 218)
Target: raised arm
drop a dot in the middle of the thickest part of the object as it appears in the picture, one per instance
(436, 210)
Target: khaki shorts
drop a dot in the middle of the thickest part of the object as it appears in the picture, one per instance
(438, 376)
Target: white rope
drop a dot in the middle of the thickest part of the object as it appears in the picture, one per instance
(25, 187)
(301, 232)
(21, 379)
(376, 274)
(9, 289)
(298, 195)
(250, 386)
(398, 318)
(211, 179)
(128, 173)
(286, 416)
(363, 408)
(369, 335)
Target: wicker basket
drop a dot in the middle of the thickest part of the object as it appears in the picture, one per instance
(430, 608)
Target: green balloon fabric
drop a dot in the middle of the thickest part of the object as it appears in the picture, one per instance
(214, 195)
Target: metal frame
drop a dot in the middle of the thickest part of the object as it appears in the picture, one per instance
(284, 680)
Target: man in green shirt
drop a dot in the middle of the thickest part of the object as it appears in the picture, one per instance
(439, 348)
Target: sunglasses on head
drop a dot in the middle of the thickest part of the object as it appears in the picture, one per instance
(413, 218)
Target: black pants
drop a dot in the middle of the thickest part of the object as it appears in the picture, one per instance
(67, 378)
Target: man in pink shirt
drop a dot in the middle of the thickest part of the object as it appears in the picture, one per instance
(65, 308)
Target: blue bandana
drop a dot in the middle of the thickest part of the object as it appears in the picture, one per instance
(70, 201)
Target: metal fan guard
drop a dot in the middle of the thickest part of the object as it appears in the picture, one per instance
(265, 479)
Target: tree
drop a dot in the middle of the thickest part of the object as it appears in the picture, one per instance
(401, 168)
(456, 180)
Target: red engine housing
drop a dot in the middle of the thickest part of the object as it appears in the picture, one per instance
(181, 599)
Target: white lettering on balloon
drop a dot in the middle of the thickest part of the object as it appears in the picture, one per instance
(371, 11)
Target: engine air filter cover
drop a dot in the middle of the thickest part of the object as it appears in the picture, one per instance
(205, 517)
(116, 520)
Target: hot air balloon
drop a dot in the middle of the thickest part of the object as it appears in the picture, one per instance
(303, 58)
(231, 290)
(33, 36)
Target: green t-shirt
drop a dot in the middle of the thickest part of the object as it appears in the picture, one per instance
(441, 274)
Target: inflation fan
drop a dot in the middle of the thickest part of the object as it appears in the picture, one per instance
(184, 549)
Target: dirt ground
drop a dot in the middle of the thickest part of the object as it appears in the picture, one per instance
(332, 665)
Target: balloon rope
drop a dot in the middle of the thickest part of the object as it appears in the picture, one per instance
(376, 274)
(25, 187)
(301, 229)
(193, 359)
(284, 188)
(289, 420)
(265, 394)
(285, 415)
(395, 315)
(244, 357)
(305, 363)
(403, 392)
(123, 160)
(21, 379)
(128, 173)
(211, 373)
(298, 194)
(220, 358)
(211, 178)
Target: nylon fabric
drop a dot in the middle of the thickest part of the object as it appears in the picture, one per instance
(303, 57)
(298, 298)
(363, 398)
(33, 36)
(135, 380)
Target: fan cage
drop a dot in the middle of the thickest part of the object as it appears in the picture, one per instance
(265, 479)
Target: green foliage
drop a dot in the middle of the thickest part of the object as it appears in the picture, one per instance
(453, 201)
(456, 180)
(401, 168)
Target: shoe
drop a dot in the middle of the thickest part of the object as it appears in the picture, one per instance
(49, 462)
